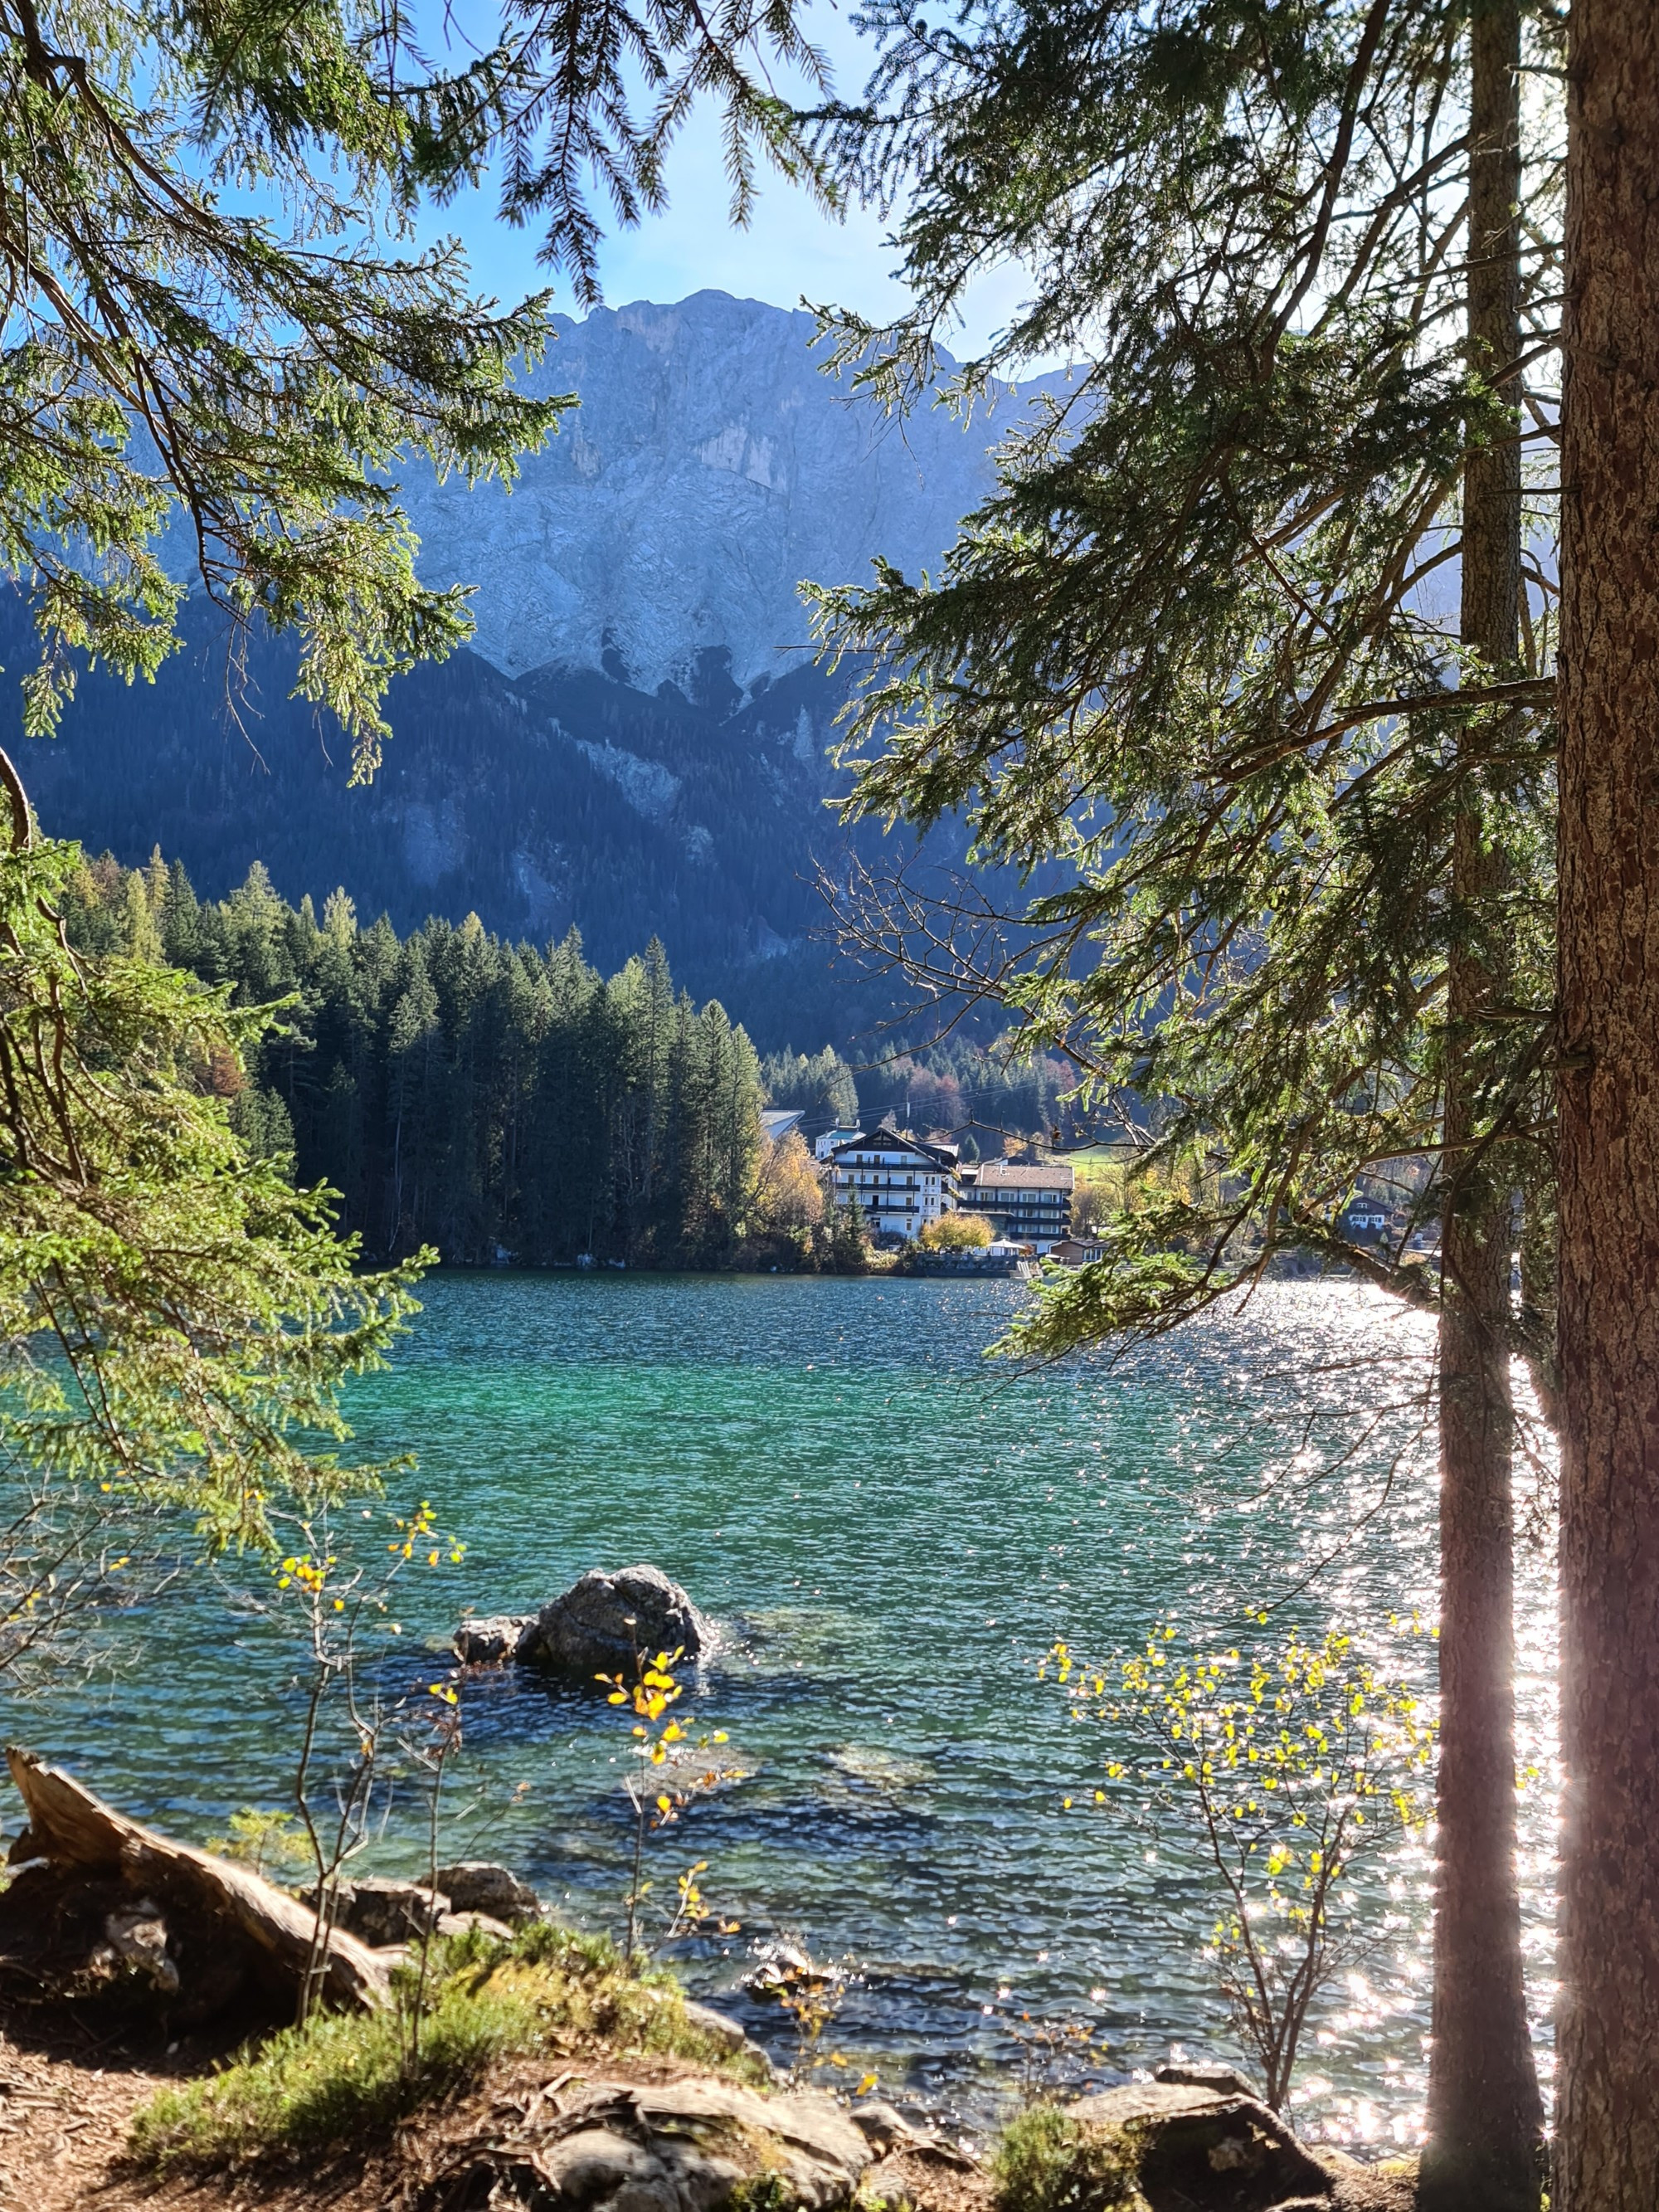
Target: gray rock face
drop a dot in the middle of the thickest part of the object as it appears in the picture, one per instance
(477, 1886)
(685, 2146)
(710, 467)
(603, 1622)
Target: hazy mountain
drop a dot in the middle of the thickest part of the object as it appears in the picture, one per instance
(637, 742)
(711, 467)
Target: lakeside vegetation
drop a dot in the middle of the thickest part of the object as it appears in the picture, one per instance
(341, 2076)
(489, 1100)
(1352, 875)
(502, 1103)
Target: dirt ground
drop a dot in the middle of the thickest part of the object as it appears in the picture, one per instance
(63, 2116)
(66, 2101)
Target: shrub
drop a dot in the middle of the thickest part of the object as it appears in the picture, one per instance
(347, 2076)
(956, 1233)
(1284, 1766)
(1046, 2162)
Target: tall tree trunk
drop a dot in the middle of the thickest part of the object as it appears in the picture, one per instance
(1486, 2117)
(1607, 2125)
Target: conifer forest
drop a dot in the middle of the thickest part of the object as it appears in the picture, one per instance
(486, 1101)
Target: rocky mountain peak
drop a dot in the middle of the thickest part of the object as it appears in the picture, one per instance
(711, 467)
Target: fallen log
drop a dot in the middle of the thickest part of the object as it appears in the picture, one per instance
(76, 1832)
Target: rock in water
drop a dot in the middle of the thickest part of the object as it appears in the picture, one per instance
(487, 1643)
(599, 1626)
(603, 1622)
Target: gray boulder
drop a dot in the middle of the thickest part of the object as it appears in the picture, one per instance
(477, 1886)
(603, 1622)
(692, 2145)
(382, 1912)
(488, 1643)
(598, 1626)
(1206, 2149)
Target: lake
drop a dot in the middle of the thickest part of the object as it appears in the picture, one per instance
(891, 1531)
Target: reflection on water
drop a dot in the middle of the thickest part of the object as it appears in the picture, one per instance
(892, 1533)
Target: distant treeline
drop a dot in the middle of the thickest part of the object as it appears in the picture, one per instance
(981, 1096)
(491, 1099)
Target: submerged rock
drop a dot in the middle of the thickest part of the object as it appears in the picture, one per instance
(599, 1626)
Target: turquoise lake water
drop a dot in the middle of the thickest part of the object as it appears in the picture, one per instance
(891, 1532)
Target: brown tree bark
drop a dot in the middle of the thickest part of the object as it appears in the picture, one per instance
(1607, 2122)
(1484, 2152)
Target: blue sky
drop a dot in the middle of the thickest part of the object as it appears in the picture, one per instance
(789, 249)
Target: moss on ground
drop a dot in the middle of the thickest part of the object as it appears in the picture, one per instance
(346, 2077)
(1046, 2162)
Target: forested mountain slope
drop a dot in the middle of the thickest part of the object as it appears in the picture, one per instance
(566, 798)
(637, 747)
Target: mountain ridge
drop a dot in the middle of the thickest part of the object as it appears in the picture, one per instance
(711, 467)
(637, 742)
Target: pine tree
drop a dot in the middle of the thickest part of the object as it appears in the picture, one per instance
(1608, 2115)
(257, 377)
(1191, 648)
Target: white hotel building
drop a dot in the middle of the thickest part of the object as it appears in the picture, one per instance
(900, 1184)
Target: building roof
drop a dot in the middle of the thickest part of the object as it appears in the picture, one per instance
(887, 1139)
(1006, 1175)
(777, 1122)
